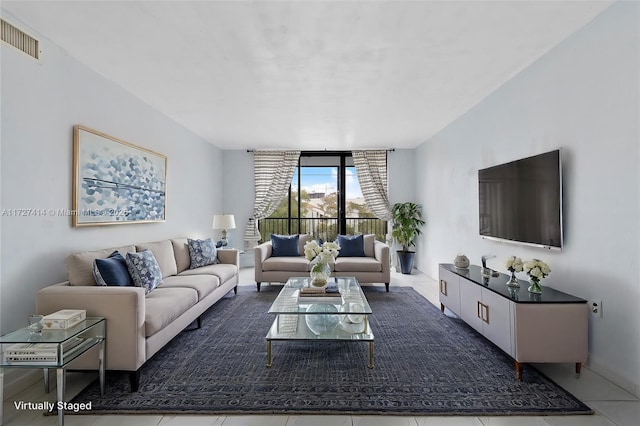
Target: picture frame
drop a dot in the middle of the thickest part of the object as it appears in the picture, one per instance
(116, 182)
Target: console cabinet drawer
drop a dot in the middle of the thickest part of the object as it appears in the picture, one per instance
(449, 291)
(498, 321)
(488, 313)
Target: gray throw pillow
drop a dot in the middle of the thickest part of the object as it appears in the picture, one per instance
(202, 253)
(144, 270)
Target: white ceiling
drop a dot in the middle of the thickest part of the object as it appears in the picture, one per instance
(308, 75)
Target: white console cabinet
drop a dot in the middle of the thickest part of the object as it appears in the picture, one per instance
(552, 327)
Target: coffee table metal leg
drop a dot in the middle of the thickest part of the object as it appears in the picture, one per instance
(268, 353)
(370, 354)
(60, 400)
(1, 396)
(46, 380)
(101, 367)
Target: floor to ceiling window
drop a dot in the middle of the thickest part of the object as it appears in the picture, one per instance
(324, 200)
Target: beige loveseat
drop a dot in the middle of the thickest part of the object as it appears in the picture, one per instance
(372, 268)
(139, 325)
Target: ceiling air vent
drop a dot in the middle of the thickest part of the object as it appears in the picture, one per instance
(19, 39)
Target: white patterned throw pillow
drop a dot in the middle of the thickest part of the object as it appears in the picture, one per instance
(202, 252)
(144, 270)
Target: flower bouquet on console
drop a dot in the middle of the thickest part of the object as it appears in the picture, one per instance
(513, 265)
(536, 270)
(326, 253)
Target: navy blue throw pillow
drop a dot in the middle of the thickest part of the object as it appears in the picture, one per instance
(351, 246)
(284, 245)
(111, 271)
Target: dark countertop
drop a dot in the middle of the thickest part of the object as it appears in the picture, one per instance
(521, 295)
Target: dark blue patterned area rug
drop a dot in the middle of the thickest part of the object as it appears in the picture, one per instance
(425, 364)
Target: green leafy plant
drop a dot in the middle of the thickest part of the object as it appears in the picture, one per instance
(407, 219)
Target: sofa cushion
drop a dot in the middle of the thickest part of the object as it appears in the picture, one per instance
(202, 253)
(286, 263)
(285, 245)
(111, 271)
(357, 264)
(144, 270)
(80, 265)
(351, 246)
(222, 271)
(163, 252)
(202, 284)
(164, 305)
(181, 253)
(304, 239)
(369, 243)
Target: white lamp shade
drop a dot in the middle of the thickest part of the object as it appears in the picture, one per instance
(224, 221)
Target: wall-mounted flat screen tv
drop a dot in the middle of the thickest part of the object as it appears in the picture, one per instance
(521, 201)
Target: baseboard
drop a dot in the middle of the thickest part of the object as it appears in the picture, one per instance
(18, 380)
(615, 378)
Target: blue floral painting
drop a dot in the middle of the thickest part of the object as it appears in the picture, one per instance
(115, 181)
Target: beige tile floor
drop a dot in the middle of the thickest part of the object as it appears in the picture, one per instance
(613, 405)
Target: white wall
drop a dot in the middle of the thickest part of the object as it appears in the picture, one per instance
(582, 96)
(239, 191)
(41, 101)
(401, 169)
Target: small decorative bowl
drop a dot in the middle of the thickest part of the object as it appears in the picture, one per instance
(35, 324)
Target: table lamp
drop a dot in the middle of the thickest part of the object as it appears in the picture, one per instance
(224, 222)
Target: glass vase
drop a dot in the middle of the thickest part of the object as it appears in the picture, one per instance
(513, 281)
(535, 286)
(320, 273)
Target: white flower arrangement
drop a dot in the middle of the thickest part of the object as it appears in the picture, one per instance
(311, 249)
(514, 264)
(536, 269)
(327, 251)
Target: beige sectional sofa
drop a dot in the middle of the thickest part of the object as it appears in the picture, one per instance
(372, 268)
(139, 324)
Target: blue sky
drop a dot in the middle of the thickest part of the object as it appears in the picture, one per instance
(325, 179)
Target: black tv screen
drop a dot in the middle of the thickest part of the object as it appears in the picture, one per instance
(521, 201)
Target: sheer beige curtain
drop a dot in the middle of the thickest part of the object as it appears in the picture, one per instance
(273, 171)
(371, 166)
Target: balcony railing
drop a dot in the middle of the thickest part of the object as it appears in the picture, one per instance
(323, 229)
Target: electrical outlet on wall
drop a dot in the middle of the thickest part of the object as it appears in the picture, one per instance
(595, 306)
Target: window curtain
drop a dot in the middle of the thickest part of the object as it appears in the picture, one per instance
(273, 171)
(371, 166)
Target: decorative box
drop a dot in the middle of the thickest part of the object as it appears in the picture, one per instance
(65, 318)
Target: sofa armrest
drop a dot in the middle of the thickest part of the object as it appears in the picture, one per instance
(381, 253)
(261, 253)
(229, 257)
(123, 308)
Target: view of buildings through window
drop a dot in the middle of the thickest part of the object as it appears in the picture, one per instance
(315, 206)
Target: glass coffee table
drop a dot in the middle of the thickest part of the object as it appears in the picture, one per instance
(317, 317)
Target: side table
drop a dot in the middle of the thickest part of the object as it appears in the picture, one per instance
(53, 349)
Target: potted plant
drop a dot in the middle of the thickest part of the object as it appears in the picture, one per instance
(407, 219)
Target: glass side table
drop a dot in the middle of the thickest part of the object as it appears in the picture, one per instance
(53, 349)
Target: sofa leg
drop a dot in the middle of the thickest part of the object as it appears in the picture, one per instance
(387, 286)
(134, 380)
(258, 285)
(199, 321)
(235, 290)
